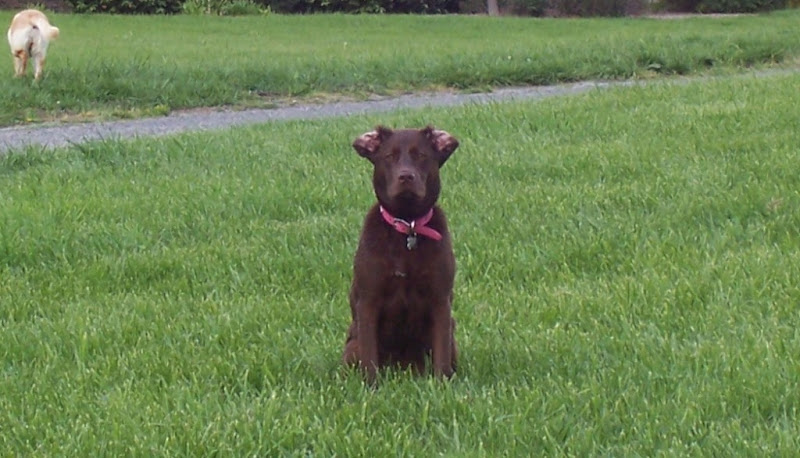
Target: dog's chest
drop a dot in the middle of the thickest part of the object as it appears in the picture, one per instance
(407, 304)
(406, 289)
(404, 282)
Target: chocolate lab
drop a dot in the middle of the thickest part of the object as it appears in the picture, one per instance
(404, 266)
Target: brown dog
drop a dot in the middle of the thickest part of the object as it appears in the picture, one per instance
(404, 267)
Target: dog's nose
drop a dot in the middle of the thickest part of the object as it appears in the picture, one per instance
(407, 176)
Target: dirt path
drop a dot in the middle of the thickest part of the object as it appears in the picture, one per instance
(59, 135)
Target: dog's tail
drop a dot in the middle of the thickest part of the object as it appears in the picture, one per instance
(49, 31)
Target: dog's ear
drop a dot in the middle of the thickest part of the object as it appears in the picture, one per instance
(443, 143)
(369, 142)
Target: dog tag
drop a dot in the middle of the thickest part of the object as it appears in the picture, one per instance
(411, 241)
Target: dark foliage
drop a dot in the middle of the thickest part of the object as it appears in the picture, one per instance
(723, 6)
(127, 6)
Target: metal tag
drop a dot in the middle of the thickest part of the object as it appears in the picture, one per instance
(411, 241)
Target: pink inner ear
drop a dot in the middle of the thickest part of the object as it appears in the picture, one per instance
(443, 141)
(369, 142)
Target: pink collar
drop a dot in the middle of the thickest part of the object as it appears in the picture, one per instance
(417, 226)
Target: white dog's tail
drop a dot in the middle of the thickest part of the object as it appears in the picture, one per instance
(49, 31)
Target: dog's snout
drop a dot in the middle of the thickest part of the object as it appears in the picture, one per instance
(407, 176)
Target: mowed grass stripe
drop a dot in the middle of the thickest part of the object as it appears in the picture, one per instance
(122, 66)
(627, 285)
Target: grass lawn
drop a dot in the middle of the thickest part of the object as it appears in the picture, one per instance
(627, 285)
(123, 66)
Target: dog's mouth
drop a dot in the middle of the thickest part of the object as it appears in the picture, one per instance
(407, 194)
(407, 204)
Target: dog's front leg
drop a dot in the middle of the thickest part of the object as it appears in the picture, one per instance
(368, 339)
(442, 340)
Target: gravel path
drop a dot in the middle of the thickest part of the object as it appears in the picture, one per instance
(59, 135)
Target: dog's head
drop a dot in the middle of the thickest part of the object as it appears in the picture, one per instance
(406, 166)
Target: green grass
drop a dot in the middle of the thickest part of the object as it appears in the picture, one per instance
(627, 286)
(123, 66)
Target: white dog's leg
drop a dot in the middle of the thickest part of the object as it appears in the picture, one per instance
(20, 63)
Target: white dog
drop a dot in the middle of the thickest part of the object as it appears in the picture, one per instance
(29, 35)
